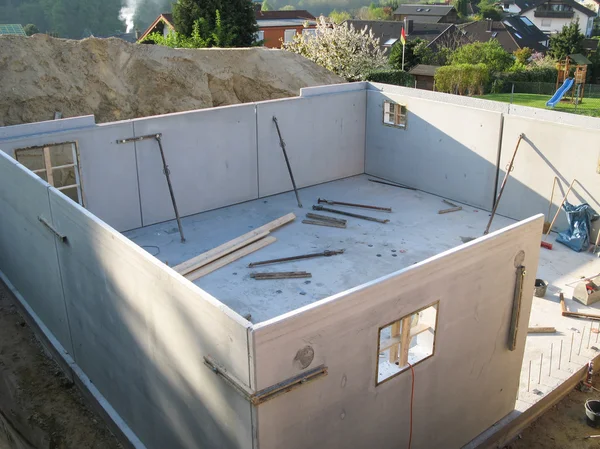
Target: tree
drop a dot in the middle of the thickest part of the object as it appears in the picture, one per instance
(424, 54)
(339, 16)
(237, 16)
(345, 51)
(266, 6)
(410, 58)
(490, 12)
(31, 29)
(287, 8)
(489, 53)
(522, 55)
(461, 7)
(567, 42)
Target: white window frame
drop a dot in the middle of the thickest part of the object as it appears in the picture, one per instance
(394, 114)
(260, 36)
(48, 169)
(286, 33)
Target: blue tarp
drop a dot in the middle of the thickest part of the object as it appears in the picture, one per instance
(577, 237)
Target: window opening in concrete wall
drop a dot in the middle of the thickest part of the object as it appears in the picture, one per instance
(394, 114)
(57, 164)
(259, 36)
(409, 340)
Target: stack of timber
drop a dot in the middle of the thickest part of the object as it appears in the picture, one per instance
(231, 251)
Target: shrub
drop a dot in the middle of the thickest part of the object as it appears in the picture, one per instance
(489, 53)
(396, 77)
(462, 79)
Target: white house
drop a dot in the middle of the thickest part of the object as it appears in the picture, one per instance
(551, 15)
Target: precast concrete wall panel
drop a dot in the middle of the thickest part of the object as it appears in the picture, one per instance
(211, 156)
(324, 136)
(140, 333)
(475, 286)
(108, 171)
(28, 256)
(547, 151)
(446, 149)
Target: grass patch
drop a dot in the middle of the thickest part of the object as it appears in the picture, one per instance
(589, 106)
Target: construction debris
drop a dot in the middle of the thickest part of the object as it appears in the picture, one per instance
(565, 312)
(330, 224)
(281, 275)
(454, 208)
(364, 206)
(301, 257)
(348, 214)
(325, 218)
(392, 184)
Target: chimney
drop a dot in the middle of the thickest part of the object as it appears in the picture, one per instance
(489, 25)
(137, 34)
(408, 25)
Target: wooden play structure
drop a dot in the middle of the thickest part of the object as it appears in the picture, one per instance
(573, 66)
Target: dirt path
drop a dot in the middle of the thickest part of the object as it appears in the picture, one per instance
(39, 407)
(563, 426)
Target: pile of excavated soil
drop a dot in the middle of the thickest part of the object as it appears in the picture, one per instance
(115, 80)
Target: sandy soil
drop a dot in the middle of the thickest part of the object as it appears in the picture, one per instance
(39, 407)
(563, 426)
(115, 80)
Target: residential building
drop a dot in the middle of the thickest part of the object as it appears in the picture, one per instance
(276, 27)
(163, 24)
(512, 33)
(388, 31)
(551, 16)
(427, 13)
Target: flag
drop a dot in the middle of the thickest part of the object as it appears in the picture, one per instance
(403, 37)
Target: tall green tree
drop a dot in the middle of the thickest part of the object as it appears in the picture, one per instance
(237, 18)
(489, 53)
(410, 58)
(461, 7)
(567, 42)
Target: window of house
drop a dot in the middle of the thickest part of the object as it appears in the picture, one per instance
(394, 114)
(406, 342)
(259, 36)
(288, 35)
(56, 164)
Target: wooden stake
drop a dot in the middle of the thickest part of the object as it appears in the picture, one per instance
(551, 351)
(581, 341)
(560, 354)
(541, 361)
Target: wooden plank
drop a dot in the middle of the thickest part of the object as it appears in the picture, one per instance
(325, 218)
(48, 164)
(541, 330)
(405, 340)
(395, 340)
(330, 224)
(452, 209)
(565, 312)
(232, 245)
(232, 257)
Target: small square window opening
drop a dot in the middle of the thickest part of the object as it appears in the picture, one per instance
(409, 340)
(394, 114)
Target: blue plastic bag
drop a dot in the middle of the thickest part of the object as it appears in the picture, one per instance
(577, 237)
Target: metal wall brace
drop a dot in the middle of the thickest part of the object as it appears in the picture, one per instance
(287, 161)
(62, 237)
(516, 309)
(166, 172)
(266, 394)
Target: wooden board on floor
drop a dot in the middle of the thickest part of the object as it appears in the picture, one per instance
(219, 263)
(226, 248)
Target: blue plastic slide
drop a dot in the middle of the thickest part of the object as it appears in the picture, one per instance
(562, 90)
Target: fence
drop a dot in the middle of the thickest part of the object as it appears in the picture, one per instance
(581, 99)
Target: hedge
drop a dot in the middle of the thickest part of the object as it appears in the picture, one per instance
(462, 79)
(396, 77)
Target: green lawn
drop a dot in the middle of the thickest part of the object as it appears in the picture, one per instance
(589, 106)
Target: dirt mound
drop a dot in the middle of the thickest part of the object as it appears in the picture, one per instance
(115, 80)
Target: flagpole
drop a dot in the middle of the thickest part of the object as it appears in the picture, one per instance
(403, 47)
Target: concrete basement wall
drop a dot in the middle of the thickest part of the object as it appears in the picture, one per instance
(466, 386)
(139, 330)
(324, 132)
(447, 149)
(108, 170)
(549, 150)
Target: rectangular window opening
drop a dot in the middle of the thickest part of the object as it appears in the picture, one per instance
(394, 114)
(288, 35)
(57, 164)
(405, 342)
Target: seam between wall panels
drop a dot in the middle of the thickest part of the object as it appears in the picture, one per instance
(60, 277)
(364, 172)
(252, 384)
(256, 144)
(137, 174)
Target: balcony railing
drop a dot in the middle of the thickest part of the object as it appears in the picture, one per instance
(554, 14)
